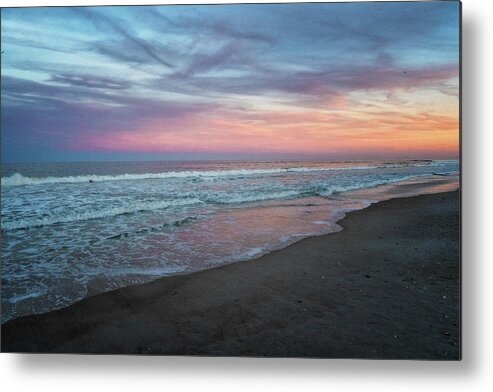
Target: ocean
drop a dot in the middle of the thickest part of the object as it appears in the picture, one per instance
(72, 230)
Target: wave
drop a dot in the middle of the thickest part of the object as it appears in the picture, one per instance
(329, 191)
(205, 198)
(212, 198)
(151, 229)
(323, 190)
(18, 179)
(250, 198)
(103, 213)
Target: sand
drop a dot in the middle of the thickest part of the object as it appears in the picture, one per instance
(387, 286)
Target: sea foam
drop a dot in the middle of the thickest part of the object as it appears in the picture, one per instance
(95, 214)
(18, 179)
(226, 198)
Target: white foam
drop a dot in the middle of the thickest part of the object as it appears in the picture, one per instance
(18, 298)
(237, 199)
(339, 189)
(18, 179)
(103, 213)
(212, 198)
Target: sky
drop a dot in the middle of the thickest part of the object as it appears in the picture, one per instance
(337, 81)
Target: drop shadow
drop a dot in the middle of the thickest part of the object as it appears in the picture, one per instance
(471, 192)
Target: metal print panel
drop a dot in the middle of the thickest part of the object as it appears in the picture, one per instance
(277, 180)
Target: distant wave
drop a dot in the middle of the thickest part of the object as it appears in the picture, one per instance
(18, 179)
(332, 190)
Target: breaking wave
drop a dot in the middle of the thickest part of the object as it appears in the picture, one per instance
(324, 190)
(18, 179)
(102, 213)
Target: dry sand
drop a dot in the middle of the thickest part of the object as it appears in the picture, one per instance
(387, 286)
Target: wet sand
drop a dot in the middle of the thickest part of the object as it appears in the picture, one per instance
(387, 286)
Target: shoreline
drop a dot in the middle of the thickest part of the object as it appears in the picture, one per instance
(363, 198)
(86, 326)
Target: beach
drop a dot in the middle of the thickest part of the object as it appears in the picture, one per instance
(74, 230)
(386, 286)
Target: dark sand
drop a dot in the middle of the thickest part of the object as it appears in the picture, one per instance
(387, 286)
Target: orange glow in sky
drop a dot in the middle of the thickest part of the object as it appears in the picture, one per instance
(383, 133)
(354, 80)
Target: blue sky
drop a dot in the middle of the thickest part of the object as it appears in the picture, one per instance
(256, 81)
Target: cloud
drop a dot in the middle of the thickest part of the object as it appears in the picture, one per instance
(324, 85)
(129, 42)
(374, 26)
(228, 56)
(30, 43)
(38, 115)
(207, 25)
(239, 72)
(27, 92)
(91, 81)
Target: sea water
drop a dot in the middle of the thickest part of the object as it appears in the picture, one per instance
(71, 230)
